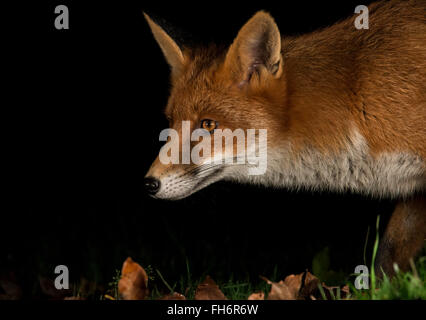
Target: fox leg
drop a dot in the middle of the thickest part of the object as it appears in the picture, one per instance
(404, 236)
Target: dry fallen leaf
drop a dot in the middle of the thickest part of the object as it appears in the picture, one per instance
(48, 288)
(12, 291)
(88, 288)
(74, 298)
(309, 287)
(257, 296)
(294, 287)
(279, 291)
(173, 296)
(209, 290)
(133, 284)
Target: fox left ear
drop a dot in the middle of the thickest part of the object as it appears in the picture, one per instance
(256, 50)
(171, 50)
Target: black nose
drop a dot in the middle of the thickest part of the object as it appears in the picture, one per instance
(152, 185)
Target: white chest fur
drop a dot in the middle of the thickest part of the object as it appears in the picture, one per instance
(393, 174)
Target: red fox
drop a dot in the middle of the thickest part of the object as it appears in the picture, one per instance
(344, 109)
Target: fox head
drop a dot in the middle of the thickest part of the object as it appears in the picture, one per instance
(218, 90)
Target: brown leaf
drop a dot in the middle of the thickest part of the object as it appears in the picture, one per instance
(74, 298)
(279, 291)
(257, 296)
(310, 286)
(173, 296)
(133, 284)
(48, 288)
(209, 290)
(294, 287)
(88, 288)
(12, 291)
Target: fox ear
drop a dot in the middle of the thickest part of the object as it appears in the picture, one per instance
(256, 49)
(171, 50)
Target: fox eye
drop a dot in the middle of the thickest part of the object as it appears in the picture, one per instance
(209, 125)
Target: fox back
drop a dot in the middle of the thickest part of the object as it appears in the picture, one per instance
(344, 109)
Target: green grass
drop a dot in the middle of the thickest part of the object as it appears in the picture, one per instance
(410, 285)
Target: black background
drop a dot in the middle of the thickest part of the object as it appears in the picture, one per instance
(82, 129)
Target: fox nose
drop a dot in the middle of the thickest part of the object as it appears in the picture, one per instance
(152, 185)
